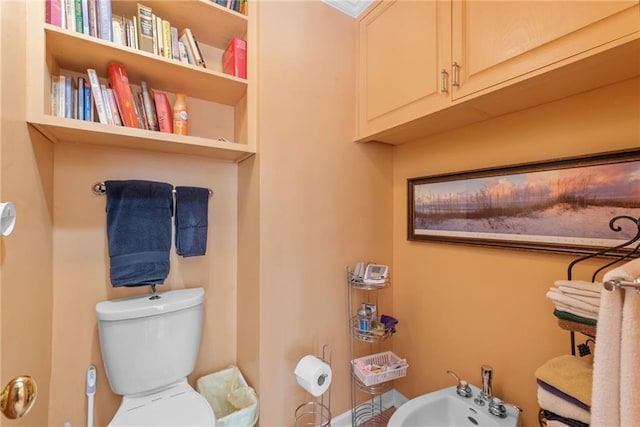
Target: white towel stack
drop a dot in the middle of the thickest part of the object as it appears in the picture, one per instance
(576, 297)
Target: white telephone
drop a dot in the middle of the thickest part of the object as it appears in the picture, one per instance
(375, 274)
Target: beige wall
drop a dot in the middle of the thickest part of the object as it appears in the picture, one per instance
(322, 198)
(26, 262)
(461, 306)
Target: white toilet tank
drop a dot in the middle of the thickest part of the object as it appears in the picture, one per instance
(148, 344)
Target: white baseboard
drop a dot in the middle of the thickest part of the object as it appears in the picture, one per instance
(389, 399)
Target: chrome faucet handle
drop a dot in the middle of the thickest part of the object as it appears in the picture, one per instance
(499, 408)
(463, 389)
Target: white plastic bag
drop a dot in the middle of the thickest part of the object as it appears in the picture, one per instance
(234, 403)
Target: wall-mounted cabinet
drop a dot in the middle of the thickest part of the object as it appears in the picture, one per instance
(425, 67)
(219, 111)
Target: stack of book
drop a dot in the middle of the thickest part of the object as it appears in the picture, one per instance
(145, 31)
(116, 103)
(239, 6)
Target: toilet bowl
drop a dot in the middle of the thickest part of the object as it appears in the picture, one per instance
(149, 345)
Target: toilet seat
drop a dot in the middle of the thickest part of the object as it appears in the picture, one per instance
(178, 405)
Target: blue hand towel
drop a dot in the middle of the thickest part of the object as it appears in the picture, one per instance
(192, 210)
(139, 231)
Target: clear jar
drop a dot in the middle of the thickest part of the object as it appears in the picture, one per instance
(180, 114)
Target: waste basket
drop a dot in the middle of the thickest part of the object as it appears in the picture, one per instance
(234, 403)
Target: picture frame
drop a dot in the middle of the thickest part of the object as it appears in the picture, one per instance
(572, 205)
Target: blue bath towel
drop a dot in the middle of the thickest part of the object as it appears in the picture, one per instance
(139, 231)
(192, 211)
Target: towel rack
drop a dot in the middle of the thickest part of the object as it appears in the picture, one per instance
(618, 254)
(100, 189)
(615, 283)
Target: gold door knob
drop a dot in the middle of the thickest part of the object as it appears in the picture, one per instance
(18, 397)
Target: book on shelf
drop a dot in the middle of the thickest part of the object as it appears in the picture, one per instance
(113, 107)
(85, 16)
(118, 30)
(119, 82)
(141, 110)
(145, 28)
(104, 19)
(107, 104)
(75, 103)
(55, 88)
(186, 54)
(54, 12)
(166, 39)
(68, 97)
(157, 35)
(175, 47)
(182, 51)
(96, 93)
(149, 107)
(70, 15)
(80, 99)
(77, 7)
(186, 37)
(89, 105)
(92, 9)
(199, 56)
(61, 95)
(234, 58)
(163, 111)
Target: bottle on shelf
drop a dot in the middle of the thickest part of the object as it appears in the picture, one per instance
(180, 114)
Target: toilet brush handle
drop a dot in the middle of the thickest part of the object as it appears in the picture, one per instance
(91, 391)
(90, 411)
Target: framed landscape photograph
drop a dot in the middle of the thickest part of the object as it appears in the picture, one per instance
(565, 205)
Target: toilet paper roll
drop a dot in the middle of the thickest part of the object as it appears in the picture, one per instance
(7, 218)
(313, 375)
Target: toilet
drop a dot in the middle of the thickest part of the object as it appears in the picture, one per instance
(149, 345)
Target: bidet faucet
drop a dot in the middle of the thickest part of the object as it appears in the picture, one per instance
(486, 373)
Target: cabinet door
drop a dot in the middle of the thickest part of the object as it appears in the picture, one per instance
(403, 46)
(497, 41)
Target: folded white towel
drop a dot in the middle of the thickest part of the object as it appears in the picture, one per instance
(560, 298)
(591, 300)
(573, 291)
(576, 311)
(580, 284)
(586, 296)
(564, 408)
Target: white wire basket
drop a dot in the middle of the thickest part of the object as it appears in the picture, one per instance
(384, 360)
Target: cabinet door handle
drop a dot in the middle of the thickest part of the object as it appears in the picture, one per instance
(443, 81)
(455, 73)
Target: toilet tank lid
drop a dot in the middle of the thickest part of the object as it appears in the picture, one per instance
(143, 306)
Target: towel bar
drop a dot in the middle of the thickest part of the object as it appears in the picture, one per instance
(99, 189)
(614, 284)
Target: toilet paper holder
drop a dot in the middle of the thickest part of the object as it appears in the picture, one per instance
(317, 413)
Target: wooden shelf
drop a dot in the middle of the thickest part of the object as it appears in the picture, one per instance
(60, 130)
(75, 51)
